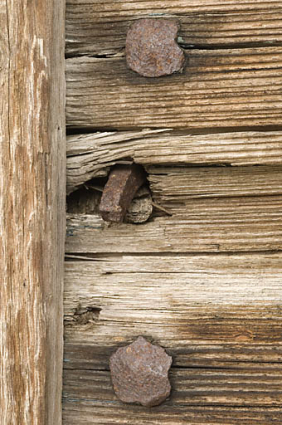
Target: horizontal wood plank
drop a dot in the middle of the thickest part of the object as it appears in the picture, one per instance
(171, 299)
(173, 187)
(78, 412)
(241, 353)
(92, 155)
(201, 225)
(218, 316)
(191, 387)
(99, 28)
(218, 89)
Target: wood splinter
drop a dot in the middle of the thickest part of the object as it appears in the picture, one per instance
(122, 185)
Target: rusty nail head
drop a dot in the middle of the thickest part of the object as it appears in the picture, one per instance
(139, 373)
(151, 47)
(122, 184)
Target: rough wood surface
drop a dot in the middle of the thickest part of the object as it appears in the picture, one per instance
(32, 210)
(205, 281)
(174, 186)
(99, 28)
(218, 316)
(240, 351)
(186, 298)
(218, 89)
(91, 155)
(111, 412)
(192, 387)
(198, 225)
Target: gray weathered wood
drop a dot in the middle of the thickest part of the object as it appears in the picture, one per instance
(91, 155)
(32, 210)
(218, 89)
(98, 28)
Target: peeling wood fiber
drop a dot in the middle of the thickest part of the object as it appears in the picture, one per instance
(91, 155)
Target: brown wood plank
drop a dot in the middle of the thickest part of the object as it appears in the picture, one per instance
(91, 155)
(32, 210)
(218, 316)
(216, 354)
(98, 28)
(208, 299)
(201, 225)
(191, 387)
(218, 89)
(109, 413)
(172, 187)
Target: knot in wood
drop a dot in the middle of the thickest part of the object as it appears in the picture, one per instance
(139, 373)
(151, 48)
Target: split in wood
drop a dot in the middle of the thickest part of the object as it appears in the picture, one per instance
(122, 185)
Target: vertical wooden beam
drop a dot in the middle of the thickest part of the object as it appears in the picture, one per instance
(32, 210)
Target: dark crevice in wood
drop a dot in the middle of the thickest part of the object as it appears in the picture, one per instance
(73, 256)
(71, 131)
(184, 46)
(95, 56)
(187, 46)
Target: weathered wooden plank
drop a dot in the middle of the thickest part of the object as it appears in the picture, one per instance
(172, 186)
(91, 155)
(99, 28)
(78, 412)
(191, 387)
(200, 225)
(177, 5)
(32, 210)
(174, 299)
(218, 89)
(241, 353)
(218, 316)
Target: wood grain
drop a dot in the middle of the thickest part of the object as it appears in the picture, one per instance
(99, 28)
(109, 413)
(199, 225)
(172, 187)
(216, 354)
(205, 282)
(218, 89)
(92, 155)
(192, 387)
(32, 210)
(208, 299)
(218, 316)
